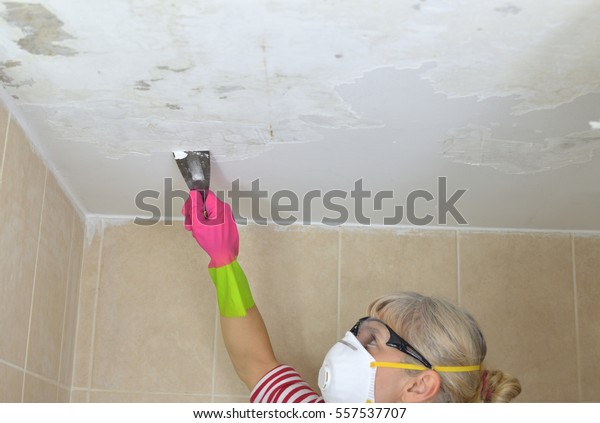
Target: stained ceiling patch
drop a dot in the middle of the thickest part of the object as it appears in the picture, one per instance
(42, 29)
(530, 143)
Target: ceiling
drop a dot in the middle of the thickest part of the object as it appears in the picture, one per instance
(306, 97)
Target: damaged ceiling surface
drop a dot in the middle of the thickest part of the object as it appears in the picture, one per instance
(502, 99)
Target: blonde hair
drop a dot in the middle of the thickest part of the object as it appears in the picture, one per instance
(447, 336)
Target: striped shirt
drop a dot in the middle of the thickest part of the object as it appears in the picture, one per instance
(283, 384)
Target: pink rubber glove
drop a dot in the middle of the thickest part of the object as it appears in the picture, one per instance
(217, 234)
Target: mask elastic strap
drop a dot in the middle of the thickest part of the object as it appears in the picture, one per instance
(441, 369)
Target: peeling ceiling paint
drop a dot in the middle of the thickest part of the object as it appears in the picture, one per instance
(491, 89)
(529, 143)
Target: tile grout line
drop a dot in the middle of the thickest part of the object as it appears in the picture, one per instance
(64, 323)
(576, 305)
(35, 269)
(29, 372)
(45, 379)
(77, 321)
(96, 295)
(125, 391)
(458, 286)
(5, 146)
(339, 285)
(11, 365)
(214, 360)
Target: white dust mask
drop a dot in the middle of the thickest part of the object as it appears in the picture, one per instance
(346, 374)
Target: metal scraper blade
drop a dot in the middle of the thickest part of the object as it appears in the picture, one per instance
(195, 169)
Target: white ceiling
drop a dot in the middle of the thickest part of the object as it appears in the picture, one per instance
(502, 98)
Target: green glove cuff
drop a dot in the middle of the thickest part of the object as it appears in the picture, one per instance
(233, 293)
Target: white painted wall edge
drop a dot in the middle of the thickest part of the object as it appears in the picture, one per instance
(39, 150)
(115, 220)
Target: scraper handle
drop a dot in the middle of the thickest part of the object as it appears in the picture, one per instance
(203, 194)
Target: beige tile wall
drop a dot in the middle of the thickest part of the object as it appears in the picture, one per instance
(587, 275)
(378, 262)
(148, 319)
(40, 243)
(521, 290)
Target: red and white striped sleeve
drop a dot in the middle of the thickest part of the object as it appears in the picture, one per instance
(283, 384)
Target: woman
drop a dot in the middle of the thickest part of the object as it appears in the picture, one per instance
(409, 348)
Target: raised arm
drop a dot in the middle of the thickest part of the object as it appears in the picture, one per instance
(244, 332)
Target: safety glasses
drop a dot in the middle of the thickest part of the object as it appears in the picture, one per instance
(369, 329)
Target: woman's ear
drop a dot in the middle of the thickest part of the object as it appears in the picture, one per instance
(422, 387)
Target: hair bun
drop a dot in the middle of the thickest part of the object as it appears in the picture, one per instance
(497, 386)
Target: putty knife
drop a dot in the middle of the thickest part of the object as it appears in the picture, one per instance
(195, 169)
